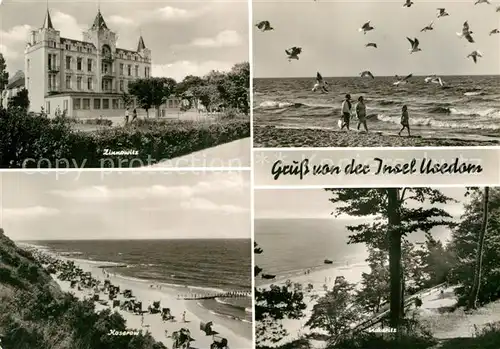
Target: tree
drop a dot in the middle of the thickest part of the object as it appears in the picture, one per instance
(237, 88)
(479, 253)
(336, 311)
(274, 304)
(4, 77)
(374, 285)
(152, 92)
(127, 99)
(464, 244)
(20, 100)
(394, 219)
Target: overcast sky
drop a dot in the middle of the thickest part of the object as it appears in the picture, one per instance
(313, 203)
(125, 206)
(185, 37)
(327, 31)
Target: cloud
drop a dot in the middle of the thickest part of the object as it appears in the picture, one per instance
(19, 33)
(207, 205)
(119, 20)
(8, 53)
(180, 69)
(104, 193)
(226, 38)
(68, 25)
(162, 14)
(29, 212)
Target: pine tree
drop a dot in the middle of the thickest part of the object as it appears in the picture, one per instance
(394, 219)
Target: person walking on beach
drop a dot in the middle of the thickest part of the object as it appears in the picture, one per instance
(134, 115)
(346, 112)
(405, 120)
(184, 316)
(126, 116)
(142, 320)
(361, 113)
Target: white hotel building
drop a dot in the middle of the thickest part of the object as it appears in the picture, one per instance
(85, 78)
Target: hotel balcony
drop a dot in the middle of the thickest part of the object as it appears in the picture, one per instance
(108, 75)
(107, 58)
(53, 69)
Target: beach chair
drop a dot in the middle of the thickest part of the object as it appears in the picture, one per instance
(207, 328)
(95, 297)
(219, 343)
(127, 294)
(138, 307)
(116, 303)
(166, 315)
(182, 339)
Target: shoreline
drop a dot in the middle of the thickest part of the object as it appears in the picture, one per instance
(267, 136)
(237, 336)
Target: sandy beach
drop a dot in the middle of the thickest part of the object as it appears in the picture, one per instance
(280, 137)
(318, 278)
(194, 315)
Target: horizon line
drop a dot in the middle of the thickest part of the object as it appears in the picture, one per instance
(133, 239)
(353, 76)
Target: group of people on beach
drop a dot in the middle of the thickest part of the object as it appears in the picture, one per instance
(360, 110)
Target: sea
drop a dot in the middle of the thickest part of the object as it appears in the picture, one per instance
(192, 265)
(465, 107)
(292, 246)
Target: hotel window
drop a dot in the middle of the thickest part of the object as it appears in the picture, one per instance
(115, 103)
(86, 103)
(79, 82)
(97, 103)
(146, 72)
(68, 62)
(129, 70)
(51, 61)
(28, 64)
(105, 103)
(80, 49)
(47, 107)
(28, 83)
(136, 70)
(121, 68)
(68, 82)
(89, 64)
(121, 85)
(89, 83)
(76, 103)
(135, 58)
(52, 82)
(79, 63)
(68, 47)
(65, 105)
(89, 50)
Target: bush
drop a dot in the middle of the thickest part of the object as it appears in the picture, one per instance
(25, 140)
(99, 121)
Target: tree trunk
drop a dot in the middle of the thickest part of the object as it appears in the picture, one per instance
(479, 253)
(394, 215)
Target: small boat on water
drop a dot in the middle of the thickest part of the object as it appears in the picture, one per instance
(327, 261)
(268, 276)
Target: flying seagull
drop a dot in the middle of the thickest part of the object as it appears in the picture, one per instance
(434, 79)
(494, 31)
(293, 53)
(429, 27)
(408, 3)
(482, 2)
(414, 45)
(402, 81)
(320, 83)
(367, 73)
(474, 55)
(264, 26)
(371, 44)
(466, 32)
(442, 12)
(366, 27)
